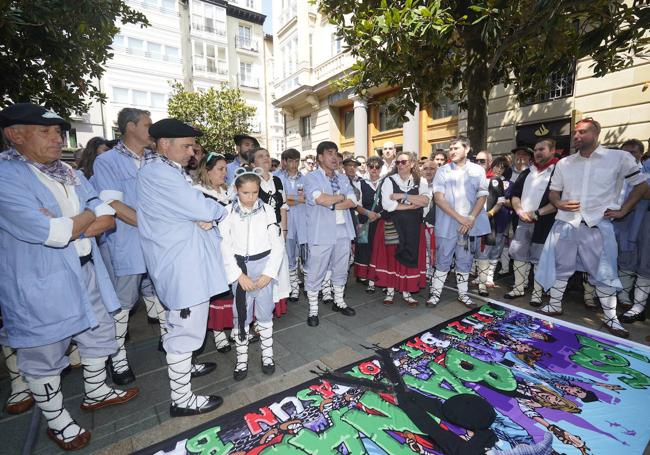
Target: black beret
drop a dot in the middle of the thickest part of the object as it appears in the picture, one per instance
(523, 149)
(351, 160)
(30, 114)
(171, 128)
(240, 137)
(469, 411)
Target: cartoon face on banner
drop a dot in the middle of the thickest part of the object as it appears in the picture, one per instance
(540, 378)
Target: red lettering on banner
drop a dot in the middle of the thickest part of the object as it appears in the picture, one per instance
(324, 389)
(421, 345)
(253, 419)
(461, 328)
(483, 318)
(369, 368)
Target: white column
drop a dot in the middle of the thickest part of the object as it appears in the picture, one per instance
(360, 127)
(411, 130)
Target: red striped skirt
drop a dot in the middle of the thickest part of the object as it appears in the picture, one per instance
(386, 271)
(220, 314)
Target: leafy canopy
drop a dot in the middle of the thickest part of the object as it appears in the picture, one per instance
(461, 49)
(220, 114)
(53, 51)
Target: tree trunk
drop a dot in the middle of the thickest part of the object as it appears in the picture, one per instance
(477, 80)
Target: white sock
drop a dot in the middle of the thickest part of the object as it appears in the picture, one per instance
(312, 296)
(607, 297)
(538, 293)
(19, 388)
(220, 339)
(95, 387)
(521, 270)
(293, 281)
(73, 355)
(556, 293)
(150, 305)
(179, 367)
(483, 266)
(119, 360)
(241, 350)
(266, 341)
(47, 394)
(437, 284)
(490, 273)
(641, 291)
(338, 296)
(462, 284)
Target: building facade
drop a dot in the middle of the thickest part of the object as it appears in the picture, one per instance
(310, 60)
(201, 43)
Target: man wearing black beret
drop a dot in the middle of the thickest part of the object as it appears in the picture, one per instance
(182, 253)
(55, 288)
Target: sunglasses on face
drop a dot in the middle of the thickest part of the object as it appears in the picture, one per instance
(481, 161)
(374, 166)
(402, 162)
(309, 163)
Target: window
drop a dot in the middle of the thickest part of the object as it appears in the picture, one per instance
(136, 46)
(208, 18)
(118, 41)
(244, 32)
(158, 100)
(305, 131)
(169, 4)
(289, 51)
(171, 53)
(155, 50)
(560, 85)
(245, 69)
(388, 120)
(120, 95)
(336, 45)
(446, 108)
(140, 98)
(348, 124)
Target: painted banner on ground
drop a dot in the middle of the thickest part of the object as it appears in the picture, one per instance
(592, 394)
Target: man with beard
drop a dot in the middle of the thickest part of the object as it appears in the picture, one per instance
(585, 189)
(243, 144)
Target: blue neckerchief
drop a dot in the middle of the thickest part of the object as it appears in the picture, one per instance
(244, 213)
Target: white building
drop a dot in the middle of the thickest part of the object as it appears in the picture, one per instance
(222, 44)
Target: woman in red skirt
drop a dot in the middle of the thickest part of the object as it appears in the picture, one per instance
(398, 260)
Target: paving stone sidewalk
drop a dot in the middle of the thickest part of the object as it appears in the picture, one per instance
(338, 341)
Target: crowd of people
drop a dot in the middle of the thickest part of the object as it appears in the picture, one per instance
(217, 243)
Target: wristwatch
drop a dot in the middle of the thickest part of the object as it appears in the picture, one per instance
(537, 215)
(333, 207)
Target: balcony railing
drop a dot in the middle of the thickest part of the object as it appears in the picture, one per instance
(248, 81)
(205, 28)
(248, 44)
(220, 68)
(150, 6)
(143, 53)
(255, 127)
(332, 66)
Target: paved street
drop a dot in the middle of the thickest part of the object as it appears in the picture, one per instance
(298, 349)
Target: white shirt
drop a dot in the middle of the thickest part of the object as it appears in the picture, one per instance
(534, 188)
(386, 168)
(250, 236)
(268, 186)
(596, 182)
(404, 185)
(68, 201)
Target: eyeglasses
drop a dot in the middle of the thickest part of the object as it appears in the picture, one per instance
(481, 161)
(374, 166)
(402, 162)
(309, 163)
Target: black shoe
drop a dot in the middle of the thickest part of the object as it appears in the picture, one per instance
(347, 311)
(630, 319)
(203, 368)
(511, 296)
(535, 304)
(240, 375)
(312, 321)
(224, 349)
(484, 293)
(213, 403)
(123, 378)
(293, 299)
(328, 300)
(268, 369)
(161, 347)
(152, 321)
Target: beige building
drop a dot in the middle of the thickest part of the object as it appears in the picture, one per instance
(309, 59)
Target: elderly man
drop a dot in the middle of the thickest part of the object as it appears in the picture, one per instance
(536, 217)
(460, 191)
(182, 253)
(55, 288)
(115, 173)
(244, 144)
(484, 159)
(585, 189)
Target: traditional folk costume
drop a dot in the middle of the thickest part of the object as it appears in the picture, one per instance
(636, 238)
(115, 175)
(296, 238)
(398, 260)
(252, 245)
(532, 188)
(490, 247)
(369, 201)
(272, 193)
(168, 209)
(461, 187)
(329, 235)
(429, 220)
(220, 316)
(54, 290)
(584, 240)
